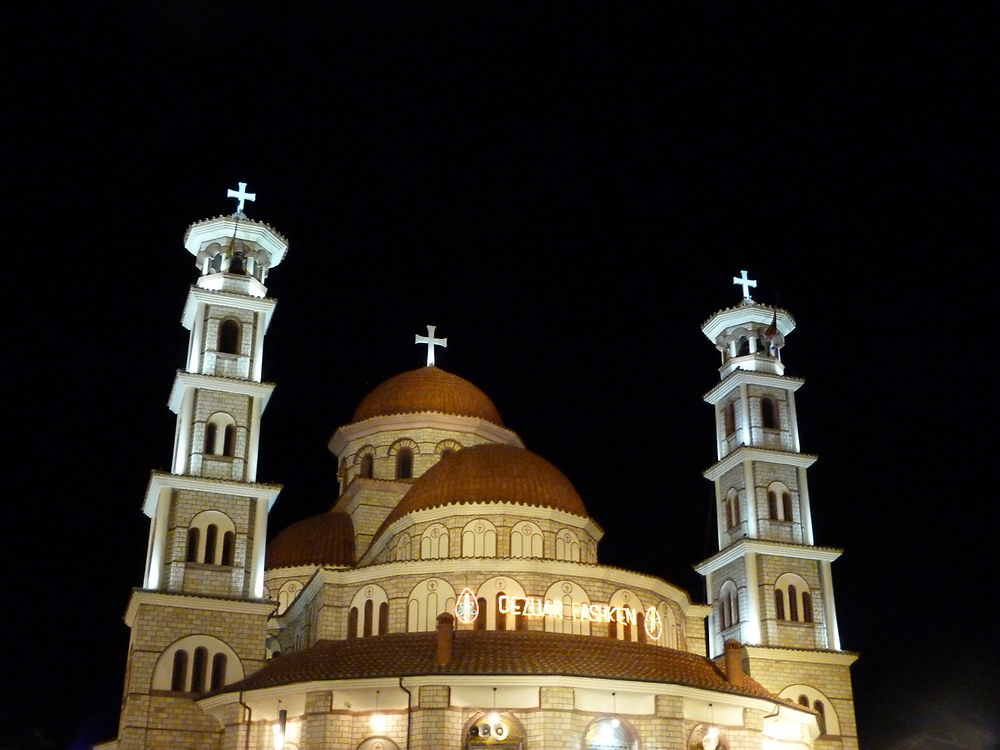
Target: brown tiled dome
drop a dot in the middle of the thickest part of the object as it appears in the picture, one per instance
(491, 472)
(428, 389)
(326, 539)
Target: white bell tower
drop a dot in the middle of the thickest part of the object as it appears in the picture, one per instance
(770, 586)
(199, 620)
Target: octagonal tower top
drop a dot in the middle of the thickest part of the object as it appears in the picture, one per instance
(234, 252)
(749, 336)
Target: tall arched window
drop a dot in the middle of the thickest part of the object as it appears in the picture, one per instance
(404, 463)
(369, 616)
(199, 669)
(218, 671)
(729, 418)
(729, 610)
(779, 604)
(367, 466)
(501, 616)
(769, 413)
(383, 618)
(211, 536)
(193, 537)
(352, 623)
(786, 505)
(229, 441)
(228, 548)
(178, 675)
(482, 614)
(229, 336)
(210, 432)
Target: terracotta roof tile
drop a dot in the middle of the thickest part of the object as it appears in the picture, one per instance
(491, 652)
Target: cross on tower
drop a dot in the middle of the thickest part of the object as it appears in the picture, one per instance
(431, 343)
(746, 283)
(241, 196)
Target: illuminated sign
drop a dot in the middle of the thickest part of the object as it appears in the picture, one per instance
(466, 607)
(532, 606)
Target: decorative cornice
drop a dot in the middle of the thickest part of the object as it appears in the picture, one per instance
(746, 453)
(160, 480)
(759, 546)
(187, 601)
(198, 295)
(773, 653)
(751, 377)
(184, 381)
(434, 420)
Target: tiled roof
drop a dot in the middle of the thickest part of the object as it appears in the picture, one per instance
(490, 472)
(324, 539)
(428, 389)
(496, 652)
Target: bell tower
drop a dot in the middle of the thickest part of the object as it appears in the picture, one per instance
(770, 586)
(198, 622)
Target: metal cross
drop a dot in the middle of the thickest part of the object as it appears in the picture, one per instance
(746, 283)
(241, 195)
(431, 343)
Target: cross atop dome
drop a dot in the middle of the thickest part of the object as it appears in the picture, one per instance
(431, 343)
(241, 195)
(744, 281)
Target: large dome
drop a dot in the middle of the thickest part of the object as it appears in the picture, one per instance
(491, 472)
(325, 539)
(427, 389)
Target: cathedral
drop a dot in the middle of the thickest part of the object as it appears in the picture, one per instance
(453, 596)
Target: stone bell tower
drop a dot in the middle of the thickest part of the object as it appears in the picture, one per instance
(770, 586)
(199, 620)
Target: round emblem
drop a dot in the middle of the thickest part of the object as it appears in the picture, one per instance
(501, 584)
(434, 533)
(368, 592)
(479, 528)
(567, 587)
(376, 746)
(625, 596)
(432, 585)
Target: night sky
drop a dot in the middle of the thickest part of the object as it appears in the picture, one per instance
(566, 191)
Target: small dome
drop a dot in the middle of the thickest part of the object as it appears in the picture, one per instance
(491, 472)
(428, 389)
(325, 539)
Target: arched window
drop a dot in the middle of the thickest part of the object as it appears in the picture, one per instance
(199, 669)
(779, 502)
(195, 663)
(479, 539)
(567, 545)
(228, 548)
(526, 540)
(211, 535)
(501, 616)
(229, 336)
(769, 413)
(404, 463)
(352, 622)
(383, 618)
(192, 544)
(204, 544)
(729, 610)
(369, 616)
(821, 710)
(808, 696)
(178, 675)
(218, 671)
(434, 542)
(367, 466)
(609, 733)
(779, 604)
(729, 418)
(220, 435)
(732, 508)
(793, 590)
(481, 615)
(210, 432)
(229, 441)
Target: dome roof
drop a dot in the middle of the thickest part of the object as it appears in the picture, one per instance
(325, 539)
(428, 389)
(491, 472)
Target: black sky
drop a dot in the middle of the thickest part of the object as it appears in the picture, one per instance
(565, 190)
